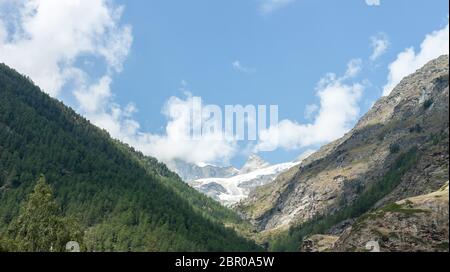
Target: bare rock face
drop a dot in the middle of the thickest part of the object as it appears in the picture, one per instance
(414, 224)
(415, 115)
(319, 243)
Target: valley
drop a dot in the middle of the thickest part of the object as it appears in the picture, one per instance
(384, 183)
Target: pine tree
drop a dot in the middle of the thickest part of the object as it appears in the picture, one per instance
(39, 227)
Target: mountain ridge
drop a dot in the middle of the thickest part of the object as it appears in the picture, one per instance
(124, 200)
(413, 116)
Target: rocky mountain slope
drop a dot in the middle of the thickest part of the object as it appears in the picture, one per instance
(399, 149)
(417, 223)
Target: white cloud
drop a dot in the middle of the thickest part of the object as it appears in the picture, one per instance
(94, 97)
(269, 6)
(354, 66)
(51, 40)
(310, 110)
(44, 39)
(176, 142)
(408, 61)
(337, 113)
(379, 44)
(239, 67)
(373, 2)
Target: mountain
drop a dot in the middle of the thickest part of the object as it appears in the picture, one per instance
(122, 200)
(253, 163)
(421, 221)
(230, 190)
(227, 184)
(398, 150)
(189, 171)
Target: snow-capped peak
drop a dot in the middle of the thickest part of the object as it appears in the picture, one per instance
(204, 164)
(253, 163)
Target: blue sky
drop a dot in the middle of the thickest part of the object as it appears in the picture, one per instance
(282, 53)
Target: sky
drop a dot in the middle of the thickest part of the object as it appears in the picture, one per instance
(127, 66)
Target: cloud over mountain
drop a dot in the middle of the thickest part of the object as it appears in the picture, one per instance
(435, 44)
(337, 111)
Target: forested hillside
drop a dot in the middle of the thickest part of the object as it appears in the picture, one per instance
(119, 199)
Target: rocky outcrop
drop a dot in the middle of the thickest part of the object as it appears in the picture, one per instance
(319, 243)
(414, 115)
(414, 224)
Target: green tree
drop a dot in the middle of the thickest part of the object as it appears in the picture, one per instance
(39, 227)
